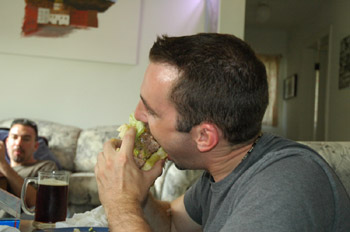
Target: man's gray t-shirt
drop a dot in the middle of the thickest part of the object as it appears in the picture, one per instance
(281, 186)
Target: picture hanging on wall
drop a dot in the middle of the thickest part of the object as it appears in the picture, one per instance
(290, 87)
(94, 30)
(344, 63)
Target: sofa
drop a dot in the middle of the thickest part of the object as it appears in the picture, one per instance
(76, 149)
(173, 182)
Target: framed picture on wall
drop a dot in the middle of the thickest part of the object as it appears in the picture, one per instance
(99, 30)
(344, 61)
(290, 87)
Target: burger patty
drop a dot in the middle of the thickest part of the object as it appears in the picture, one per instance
(146, 151)
(147, 145)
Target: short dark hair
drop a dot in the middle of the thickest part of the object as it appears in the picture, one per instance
(221, 81)
(26, 122)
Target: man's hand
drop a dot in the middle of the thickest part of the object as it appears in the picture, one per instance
(2, 155)
(123, 188)
(14, 180)
(2, 151)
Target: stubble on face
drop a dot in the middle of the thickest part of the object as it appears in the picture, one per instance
(16, 152)
(156, 110)
(18, 155)
(21, 144)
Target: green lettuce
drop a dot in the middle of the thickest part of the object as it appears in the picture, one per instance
(140, 128)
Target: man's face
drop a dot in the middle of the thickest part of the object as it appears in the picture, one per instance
(21, 144)
(155, 109)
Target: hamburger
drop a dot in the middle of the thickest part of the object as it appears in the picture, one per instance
(147, 151)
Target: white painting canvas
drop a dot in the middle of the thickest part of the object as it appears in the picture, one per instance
(54, 28)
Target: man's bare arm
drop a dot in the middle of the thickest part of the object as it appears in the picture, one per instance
(124, 192)
(123, 188)
(126, 215)
(166, 216)
(157, 214)
(14, 180)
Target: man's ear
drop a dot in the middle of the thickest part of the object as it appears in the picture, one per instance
(206, 136)
(6, 140)
(36, 145)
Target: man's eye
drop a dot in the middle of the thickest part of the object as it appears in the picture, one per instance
(13, 137)
(151, 112)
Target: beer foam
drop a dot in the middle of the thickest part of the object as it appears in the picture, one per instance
(53, 182)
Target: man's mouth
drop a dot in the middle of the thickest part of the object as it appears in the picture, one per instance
(18, 151)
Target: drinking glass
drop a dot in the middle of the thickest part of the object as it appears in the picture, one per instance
(51, 198)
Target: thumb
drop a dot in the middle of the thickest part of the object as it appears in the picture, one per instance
(155, 171)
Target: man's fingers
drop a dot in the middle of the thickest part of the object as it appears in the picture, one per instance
(2, 145)
(111, 145)
(128, 142)
(2, 149)
(100, 161)
(116, 142)
(155, 171)
(125, 151)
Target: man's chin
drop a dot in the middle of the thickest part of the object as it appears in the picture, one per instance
(18, 159)
(177, 165)
(180, 167)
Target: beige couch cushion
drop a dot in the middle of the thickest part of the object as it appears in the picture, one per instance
(337, 154)
(90, 143)
(62, 141)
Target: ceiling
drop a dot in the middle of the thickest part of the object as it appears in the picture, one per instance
(284, 14)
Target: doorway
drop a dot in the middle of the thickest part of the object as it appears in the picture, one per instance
(321, 83)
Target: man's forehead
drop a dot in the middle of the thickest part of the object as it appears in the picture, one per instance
(162, 72)
(19, 129)
(157, 84)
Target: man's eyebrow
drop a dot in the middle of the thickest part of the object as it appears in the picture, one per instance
(24, 136)
(147, 106)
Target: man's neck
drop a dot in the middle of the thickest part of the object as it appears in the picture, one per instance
(228, 158)
(222, 166)
(26, 163)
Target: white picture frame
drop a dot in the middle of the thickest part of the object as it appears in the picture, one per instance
(290, 87)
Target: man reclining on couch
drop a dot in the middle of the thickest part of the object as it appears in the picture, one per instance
(21, 143)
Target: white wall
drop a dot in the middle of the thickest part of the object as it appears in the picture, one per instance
(273, 42)
(232, 17)
(339, 102)
(88, 94)
(295, 119)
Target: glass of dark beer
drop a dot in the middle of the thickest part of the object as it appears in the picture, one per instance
(51, 198)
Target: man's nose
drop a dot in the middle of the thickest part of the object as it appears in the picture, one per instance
(140, 112)
(18, 141)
